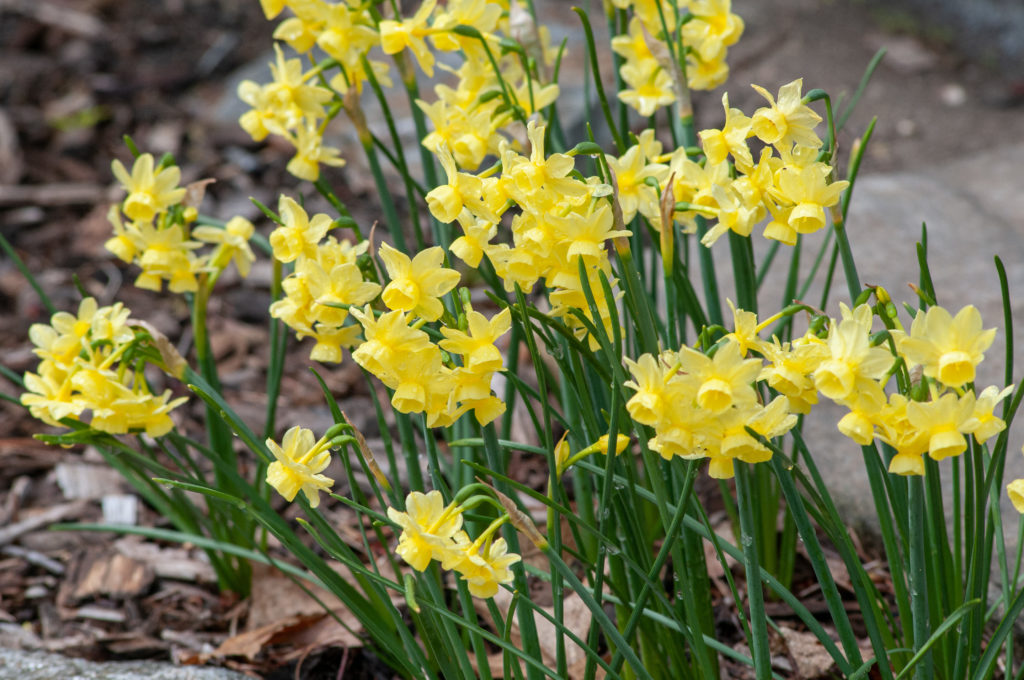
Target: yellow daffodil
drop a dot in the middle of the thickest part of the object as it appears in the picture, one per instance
(650, 87)
(984, 423)
(389, 341)
(289, 97)
(395, 36)
(475, 239)
(649, 383)
(149, 191)
(722, 381)
(943, 421)
(810, 193)
(485, 567)
(731, 139)
(732, 441)
(787, 120)
(298, 235)
(894, 428)
(300, 460)
(865, 406)
(477, 345)
(631, 172)
(234, 243)
(301, 30)
(851, 359)
(167, 255)
(463, 190)
(429, 528)
(712, 28)
(949, 348)
(311, 152)
(417, 283)
(1015, 490)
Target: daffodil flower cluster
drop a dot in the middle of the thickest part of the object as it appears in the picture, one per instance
(788, 183)
(946, 349)
(700, 406)
(325, 280)
(327, 287)
(91, 370)
(650, 70)
(468, 118)
(424, 380)
(292, 108)
(432, 530)
(158, 236)
(475, 117)
(559, 221)
(788, 188)
(691, 400)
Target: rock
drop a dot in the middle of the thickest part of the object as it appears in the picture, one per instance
(41, 666)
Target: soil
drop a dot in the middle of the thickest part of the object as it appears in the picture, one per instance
(79, 74)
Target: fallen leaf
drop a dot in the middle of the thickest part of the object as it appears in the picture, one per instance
(250, 643)
(575, 618)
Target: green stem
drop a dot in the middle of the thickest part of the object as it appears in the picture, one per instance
(527, 625)
(755, 595)
(278, 344)
(11, 253)
(918, 577)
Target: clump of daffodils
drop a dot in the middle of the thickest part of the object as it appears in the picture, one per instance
(650, 69)
(329, 295)
(325, 279)
(560, 227)
(560, 221)
(432, 531)
(298, 103)
(153, 229)
(789, 184)
(92, 370)
(701, 406)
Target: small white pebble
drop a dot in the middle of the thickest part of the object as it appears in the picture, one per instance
(953, 95)
(906, 127)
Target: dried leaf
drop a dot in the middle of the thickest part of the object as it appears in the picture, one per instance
(575, 618)
(250, 643)
(195, 192)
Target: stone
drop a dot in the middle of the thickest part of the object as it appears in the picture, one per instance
(42, 666)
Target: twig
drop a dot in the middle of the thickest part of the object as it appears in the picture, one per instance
(54, 514)
(71, 193)
(64, 18)
(34, 557)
